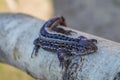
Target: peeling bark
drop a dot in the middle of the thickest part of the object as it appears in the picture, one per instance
(17, 32)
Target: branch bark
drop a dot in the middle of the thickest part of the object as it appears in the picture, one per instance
(17, 33)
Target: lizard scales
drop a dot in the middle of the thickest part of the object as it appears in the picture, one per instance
(56, 39)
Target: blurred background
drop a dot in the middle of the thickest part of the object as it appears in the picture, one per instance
(97, 17)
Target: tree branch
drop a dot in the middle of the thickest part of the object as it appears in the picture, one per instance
(17, 33)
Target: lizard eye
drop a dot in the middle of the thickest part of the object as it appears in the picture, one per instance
(86, 48)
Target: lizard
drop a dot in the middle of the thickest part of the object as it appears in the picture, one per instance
(58, 40)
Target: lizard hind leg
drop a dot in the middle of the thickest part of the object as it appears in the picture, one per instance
(36, 47)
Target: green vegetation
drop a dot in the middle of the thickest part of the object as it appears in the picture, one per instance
(10, 73)
(3, 6)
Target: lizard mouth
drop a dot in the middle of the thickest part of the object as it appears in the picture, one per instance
(94, 49)
(90, 49)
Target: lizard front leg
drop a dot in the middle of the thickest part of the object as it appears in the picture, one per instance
(36, 47)
(63, 58)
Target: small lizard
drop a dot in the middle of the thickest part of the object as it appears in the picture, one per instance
(57, 39)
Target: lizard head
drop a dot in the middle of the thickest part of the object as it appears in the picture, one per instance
(85, 46)
(88, 46)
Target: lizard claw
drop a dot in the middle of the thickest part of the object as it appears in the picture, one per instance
(35, 51)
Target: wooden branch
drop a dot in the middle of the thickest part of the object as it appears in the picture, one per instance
(17, 32)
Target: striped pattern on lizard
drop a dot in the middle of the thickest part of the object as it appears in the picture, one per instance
(58, 40)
